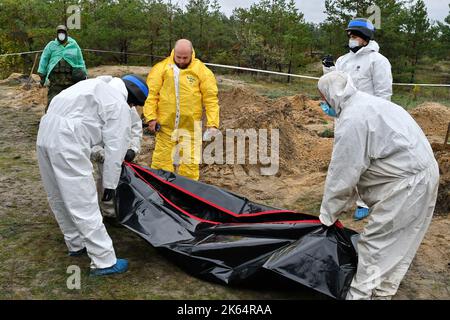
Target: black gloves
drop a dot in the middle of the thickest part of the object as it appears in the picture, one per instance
(108, 194)
(42, 76)
(129, 157)
(328, 61)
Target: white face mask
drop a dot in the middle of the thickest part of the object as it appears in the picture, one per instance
(353, 43)
(61, 36)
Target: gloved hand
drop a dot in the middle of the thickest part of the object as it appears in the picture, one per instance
(108, 195)
(210, 133)
(328, 109)
(326, 220)
(129, 157)
(153, 126)
(98, 154)
(328, 61)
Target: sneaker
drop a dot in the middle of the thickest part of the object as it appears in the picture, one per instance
(78, 253)
(121, 266)
(361, 213)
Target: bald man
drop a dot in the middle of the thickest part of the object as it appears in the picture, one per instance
(180, 88)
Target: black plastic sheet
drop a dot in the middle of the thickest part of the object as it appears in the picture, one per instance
(219, 236)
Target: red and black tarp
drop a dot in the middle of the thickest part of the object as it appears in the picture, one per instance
(220, 236)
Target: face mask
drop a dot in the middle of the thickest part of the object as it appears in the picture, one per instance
(61, 37)
(328, 109)
(353, 43)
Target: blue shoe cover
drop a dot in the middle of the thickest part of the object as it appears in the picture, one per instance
(121, 266)
(361, 213)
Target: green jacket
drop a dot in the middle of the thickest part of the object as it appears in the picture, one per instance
(54, 52)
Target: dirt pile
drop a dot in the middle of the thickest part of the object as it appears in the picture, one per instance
(443, 201)
(303, 154)
(301, 149)
(434, 119)
(19, 78)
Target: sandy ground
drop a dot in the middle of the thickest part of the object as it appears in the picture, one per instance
(32, 247)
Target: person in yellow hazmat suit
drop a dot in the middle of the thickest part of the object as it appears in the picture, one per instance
(180, 87)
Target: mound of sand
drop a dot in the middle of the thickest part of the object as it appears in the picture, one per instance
(443, 201)
(303, 154)
(434, 119)
(301, 147)
(19, 78)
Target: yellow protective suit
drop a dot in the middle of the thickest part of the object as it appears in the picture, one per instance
(176, 100)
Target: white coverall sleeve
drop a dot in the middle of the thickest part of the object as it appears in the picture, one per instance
(349, 161)
(116, 139)
(136, 131)
(382, 78)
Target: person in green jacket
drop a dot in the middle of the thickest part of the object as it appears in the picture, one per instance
(61, 64)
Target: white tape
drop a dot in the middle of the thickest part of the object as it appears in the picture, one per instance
(19, 54)
(262, 71)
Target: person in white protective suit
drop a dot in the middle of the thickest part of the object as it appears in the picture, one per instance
(92, 112)
(380, 149)
(107, 208)
(370, 71)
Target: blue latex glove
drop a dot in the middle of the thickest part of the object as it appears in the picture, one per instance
(361, 213)
(328, 109)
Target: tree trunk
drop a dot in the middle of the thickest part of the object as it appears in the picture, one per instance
(124, 51)
(201, 31)
(151, 52)
(414, 63)
(65, 12)
(290, 63)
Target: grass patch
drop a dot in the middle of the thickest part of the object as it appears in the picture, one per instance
(35, 262)
(327, 133)
(308, 203)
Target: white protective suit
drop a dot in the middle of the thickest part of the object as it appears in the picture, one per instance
(107, 208)
(370, 70)
(380, 149)
(89, 113)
